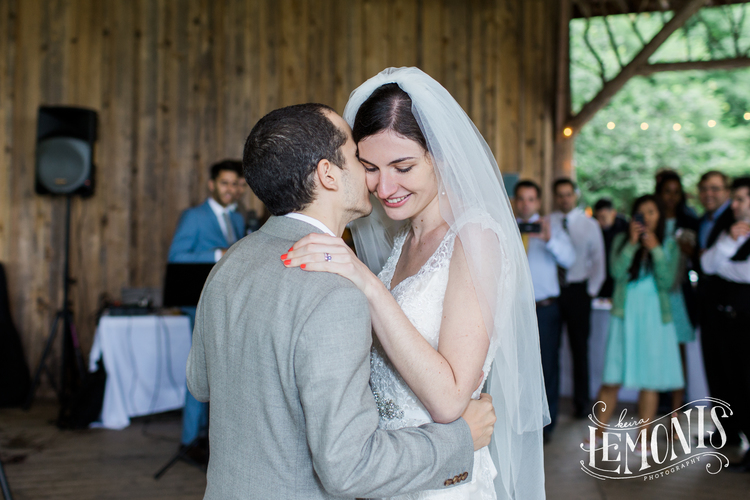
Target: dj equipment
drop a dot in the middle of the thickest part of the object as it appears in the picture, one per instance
(65, 151)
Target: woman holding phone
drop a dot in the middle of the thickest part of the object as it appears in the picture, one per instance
(642, 350)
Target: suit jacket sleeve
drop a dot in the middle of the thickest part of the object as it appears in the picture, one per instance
(186, 239)
(197, 369)
(351, 456)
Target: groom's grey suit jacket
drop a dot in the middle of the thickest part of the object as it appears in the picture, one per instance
(283, 355)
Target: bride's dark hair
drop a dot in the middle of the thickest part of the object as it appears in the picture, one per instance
(387, 108)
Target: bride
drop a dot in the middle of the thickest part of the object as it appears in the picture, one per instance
(453, 302)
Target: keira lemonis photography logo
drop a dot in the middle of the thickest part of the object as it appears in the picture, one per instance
(633, 449)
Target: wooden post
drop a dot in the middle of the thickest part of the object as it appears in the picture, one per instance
(564, 146)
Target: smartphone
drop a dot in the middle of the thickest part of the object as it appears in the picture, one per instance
(639, 219)
(530, 227)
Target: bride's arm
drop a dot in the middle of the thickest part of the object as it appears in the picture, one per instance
(443, 380)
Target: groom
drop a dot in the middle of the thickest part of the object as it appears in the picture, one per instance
(284, 355)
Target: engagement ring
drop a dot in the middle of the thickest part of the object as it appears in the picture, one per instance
(327, 256)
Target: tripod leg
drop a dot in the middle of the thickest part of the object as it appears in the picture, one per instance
(77, 348)
(4, 486)
(42, 366)
(182, 454)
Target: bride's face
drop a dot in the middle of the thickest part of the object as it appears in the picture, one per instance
(399, 173)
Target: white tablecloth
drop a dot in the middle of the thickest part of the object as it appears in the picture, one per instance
(696, 386)
(145, 358)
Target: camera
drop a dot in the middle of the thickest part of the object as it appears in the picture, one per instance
(529, 227)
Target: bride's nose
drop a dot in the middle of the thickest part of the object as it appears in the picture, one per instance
(387, 185)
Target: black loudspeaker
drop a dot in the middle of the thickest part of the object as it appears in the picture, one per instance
(65, 151)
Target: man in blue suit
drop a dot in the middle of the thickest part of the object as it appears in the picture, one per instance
(203, 235)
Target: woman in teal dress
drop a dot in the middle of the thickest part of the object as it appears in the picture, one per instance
(680, 223)
(642, 351)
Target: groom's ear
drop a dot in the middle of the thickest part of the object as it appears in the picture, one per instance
(329, 175)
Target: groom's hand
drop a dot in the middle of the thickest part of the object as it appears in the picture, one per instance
(480, 415)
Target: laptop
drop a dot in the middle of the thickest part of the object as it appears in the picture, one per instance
(184, 283)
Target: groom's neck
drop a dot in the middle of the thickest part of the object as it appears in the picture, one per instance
(328, 216)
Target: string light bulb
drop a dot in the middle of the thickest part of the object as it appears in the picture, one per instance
(567, 131)
(711, 123)
(611, 125)
(644, 126)
(746, 116)
(676, 127)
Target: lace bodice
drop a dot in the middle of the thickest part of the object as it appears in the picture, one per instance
(421, 298)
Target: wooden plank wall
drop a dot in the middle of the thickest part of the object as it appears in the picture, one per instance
(178, 84)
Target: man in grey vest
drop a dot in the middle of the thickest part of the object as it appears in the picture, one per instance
(283, 355)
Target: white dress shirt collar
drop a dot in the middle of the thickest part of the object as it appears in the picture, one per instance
(310, 220)
(576, 212)
(217, 208)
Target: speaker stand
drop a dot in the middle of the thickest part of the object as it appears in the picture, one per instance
(71, 346)
(4, 486)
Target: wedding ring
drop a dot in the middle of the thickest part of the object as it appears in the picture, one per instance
(327, 257)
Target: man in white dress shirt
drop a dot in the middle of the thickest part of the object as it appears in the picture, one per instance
(579, 284)
(727, 265)
(547, 249)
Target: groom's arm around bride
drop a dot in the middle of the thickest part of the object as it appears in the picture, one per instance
(284, 355)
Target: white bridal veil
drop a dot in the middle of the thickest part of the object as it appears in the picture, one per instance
(473, 201)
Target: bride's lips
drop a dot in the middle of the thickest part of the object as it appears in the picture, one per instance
(400, 201)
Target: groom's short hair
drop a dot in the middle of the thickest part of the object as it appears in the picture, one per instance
(282, 153)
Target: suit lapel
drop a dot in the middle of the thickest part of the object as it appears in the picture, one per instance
(723, 222)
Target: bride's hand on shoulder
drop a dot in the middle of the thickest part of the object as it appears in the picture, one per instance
(321, 252)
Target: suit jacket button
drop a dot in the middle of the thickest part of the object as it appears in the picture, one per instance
(448, 482)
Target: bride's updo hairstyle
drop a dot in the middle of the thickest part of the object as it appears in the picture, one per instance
(387, 108)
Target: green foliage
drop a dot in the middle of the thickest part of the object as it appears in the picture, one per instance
(621, 162)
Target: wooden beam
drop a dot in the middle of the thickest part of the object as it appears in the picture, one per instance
(733, 63)
(610, 88)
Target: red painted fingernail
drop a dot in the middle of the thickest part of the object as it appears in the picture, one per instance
(290, 249)
(302, 266)
(283, 257)
(287, 262)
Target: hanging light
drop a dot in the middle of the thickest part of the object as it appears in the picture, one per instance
(676, 126)
(644, 126)
(711, 123)
(746, 116)
(611, 125)
(567, 131)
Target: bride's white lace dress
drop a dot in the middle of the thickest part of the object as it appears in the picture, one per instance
(421, 298)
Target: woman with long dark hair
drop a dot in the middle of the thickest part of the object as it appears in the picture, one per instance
(681, 224)
(642, 350)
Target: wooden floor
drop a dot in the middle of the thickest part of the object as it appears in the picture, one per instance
(42, 462)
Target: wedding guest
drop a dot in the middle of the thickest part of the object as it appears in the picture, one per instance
(681, 224)
(203, 235)
(547, 249)
(612, 224)
(728, 265)
(579, 284)
(642, 350)
(714, 195)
